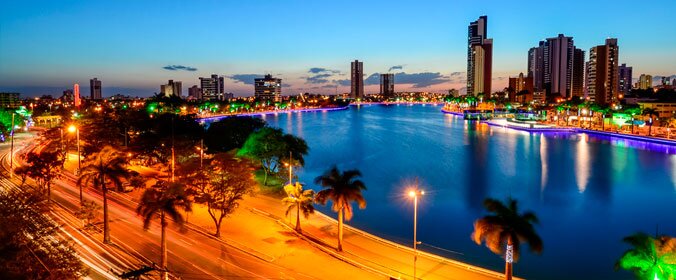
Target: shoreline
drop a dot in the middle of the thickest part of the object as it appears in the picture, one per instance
(557, 129)
(264, 113)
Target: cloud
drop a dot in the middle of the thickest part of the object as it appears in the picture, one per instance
(247, 79)
(417, 80)
(317, 70)
(344, 82)
(396, 67)
(317, 79)
(179, 67)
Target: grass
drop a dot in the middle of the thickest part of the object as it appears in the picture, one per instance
(275, 185)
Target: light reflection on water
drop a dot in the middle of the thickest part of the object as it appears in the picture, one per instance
(589, 191)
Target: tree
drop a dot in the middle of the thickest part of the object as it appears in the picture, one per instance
(163, 199)
(44, 167)
(650, 112)
(650, 258)
(342, 188)
(106, 166)
(231, 133)
(29, 244)
(229, 180)
(271, 147)
(301, 200)
(507, 229)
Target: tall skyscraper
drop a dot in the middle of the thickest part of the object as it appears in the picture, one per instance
(625, 78)
(387, 84)
(603, 86)
(536, 66)
(645, 81)
(551, 64)
(76, 95)
(268, 88)
(95, 89)
(479, 57)
(213, 87)
(357, 86)
(172, 88)
(577, 86)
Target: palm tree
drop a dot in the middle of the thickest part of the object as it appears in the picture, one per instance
(342, 188)
(507, 229)
(108, 165)
(650, 258)
(650, 112)
(300, 199)
(165, 199)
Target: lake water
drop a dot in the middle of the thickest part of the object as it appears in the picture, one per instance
(588, 191)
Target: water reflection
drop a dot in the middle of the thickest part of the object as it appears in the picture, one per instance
(582, 168)
(476, 177)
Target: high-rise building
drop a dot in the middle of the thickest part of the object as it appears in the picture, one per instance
(603, 85)
(625, 76)
(172, 88)
(551, 64)
(387, 84)
(577, 83)
(195, 92)
(268, 88)
(95, 89)
(357, 85)
(536, 66)
(645, 81)
(479, 57)
(213, 87)
(519, 84)
(76, 95)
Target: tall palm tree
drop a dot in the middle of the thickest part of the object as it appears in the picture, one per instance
(650, 258)
(300, 199)
(164, 199)
(342, 188)
(506, 230)
(108, 165)
(650, 112)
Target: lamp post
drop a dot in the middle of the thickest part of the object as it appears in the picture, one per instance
(11, 152)
(71, 129)
(414, 194)
(290, 167)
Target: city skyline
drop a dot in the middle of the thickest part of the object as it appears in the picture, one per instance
(44, 52)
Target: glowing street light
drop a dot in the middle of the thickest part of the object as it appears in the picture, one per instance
(415, 193)
(71, 129)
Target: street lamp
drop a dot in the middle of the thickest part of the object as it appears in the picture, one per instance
(415, 193)
(288, 164)
(71, 129)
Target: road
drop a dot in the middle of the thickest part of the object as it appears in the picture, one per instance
(192, 254)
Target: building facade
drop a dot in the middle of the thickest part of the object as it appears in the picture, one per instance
(357, 80)
(645, 81)
(10, 100)
(387, 84)
(603, 85)
(577, 83)
(552, 66)
(172, 88)
(625, 77)
(479, 57)
(519, 86)
(194, 92)
(76, 95)
(212, 87)
(268, 88)
(95, 89)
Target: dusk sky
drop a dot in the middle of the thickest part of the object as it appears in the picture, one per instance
(134, 46)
